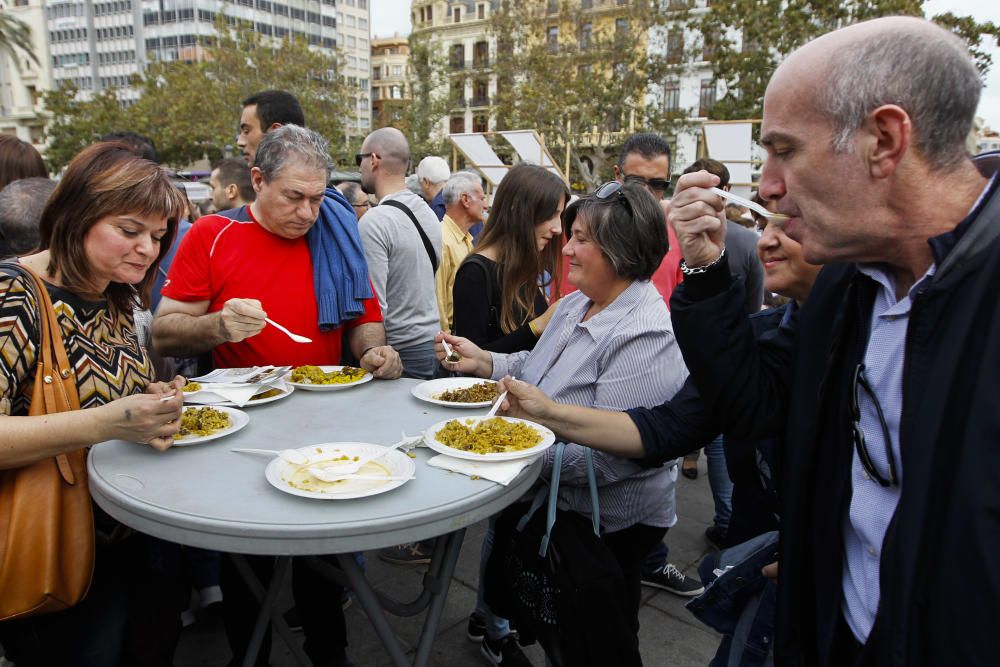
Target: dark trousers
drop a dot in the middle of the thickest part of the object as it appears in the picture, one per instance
(131, 615)
(629, 547)
(317, 599)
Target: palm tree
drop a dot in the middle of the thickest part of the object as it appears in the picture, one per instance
(15, 35)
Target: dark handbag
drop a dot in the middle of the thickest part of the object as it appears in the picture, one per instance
(46, 517)
(553, 577)
(428, 246)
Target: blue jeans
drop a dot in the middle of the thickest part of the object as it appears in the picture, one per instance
(718, 479)
(419, 361)
(656, 558)
(496, 627)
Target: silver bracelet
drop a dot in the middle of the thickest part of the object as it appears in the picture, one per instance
(695, 270)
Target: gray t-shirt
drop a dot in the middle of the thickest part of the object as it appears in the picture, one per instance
(741, 252)
(401, 270)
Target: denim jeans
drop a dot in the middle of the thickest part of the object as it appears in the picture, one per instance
(718, 479)
(496, 627)
(656, 558)
(419, 361)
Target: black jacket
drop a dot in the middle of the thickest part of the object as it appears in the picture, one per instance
(940, 561)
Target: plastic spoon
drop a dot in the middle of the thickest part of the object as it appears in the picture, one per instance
(332, 475)
(496, 406)
(293, 456)
(294, 336)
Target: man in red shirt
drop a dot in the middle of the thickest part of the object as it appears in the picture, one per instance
(233, 270)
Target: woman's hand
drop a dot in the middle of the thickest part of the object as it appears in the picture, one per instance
(162, 389)
(473, 361)
(145, 418)
(525, 401)
(539, 323)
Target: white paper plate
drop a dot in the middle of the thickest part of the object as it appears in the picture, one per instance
(426, 391)
(395, 463)
(197, 395)
(548, 439)
(238, 419)
(367, 377)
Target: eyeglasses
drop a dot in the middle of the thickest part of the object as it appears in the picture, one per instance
(657, 186)
(859, 436)
(609, 190)
(362, 204)
(360, 157)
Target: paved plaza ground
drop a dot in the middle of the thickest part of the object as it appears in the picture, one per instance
(669, 635)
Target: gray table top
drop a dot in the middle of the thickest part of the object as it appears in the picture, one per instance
(205, 495)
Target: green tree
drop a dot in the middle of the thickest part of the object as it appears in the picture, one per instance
(752, 37)
(577, 74)
(15, 38)
(191, 109)
(419, 117)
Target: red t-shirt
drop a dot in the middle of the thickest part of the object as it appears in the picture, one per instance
(666, 277)
(224, 258)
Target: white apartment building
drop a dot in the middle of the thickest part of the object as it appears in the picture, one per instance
(354, 39)
(98, 44)
(21, 80)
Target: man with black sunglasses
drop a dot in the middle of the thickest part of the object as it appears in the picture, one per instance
(884, 387)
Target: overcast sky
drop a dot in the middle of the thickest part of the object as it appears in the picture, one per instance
(390, 16)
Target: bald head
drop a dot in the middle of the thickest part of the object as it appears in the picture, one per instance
(391, 147)
(903, 61)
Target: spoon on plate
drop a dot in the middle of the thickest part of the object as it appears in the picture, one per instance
(294, 336)
(340, 472)
(293, 456)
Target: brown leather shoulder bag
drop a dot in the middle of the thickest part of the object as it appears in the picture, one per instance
(46, 517)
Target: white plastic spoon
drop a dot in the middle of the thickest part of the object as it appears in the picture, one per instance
(496, 406)
(294, 336)
(333, 474)
(293, 456)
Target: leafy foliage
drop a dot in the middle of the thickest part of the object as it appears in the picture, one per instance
(15, 38)
(191, 110)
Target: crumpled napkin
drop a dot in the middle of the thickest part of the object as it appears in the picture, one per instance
(501, 472)
(238, 394)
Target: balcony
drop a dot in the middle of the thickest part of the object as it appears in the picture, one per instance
(480, 101)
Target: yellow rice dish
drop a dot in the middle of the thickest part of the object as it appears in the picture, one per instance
(202, 421)
(477, 393)
(316, 375)
(493, 436)
(191, 386)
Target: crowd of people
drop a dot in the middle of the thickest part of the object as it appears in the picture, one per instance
(628, 323)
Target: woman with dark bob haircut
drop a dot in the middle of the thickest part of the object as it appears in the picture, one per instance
(499, 302)
(19, 159)
(103, 232)
(608, 345)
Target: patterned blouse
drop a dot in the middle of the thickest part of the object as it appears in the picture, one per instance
(105, 352)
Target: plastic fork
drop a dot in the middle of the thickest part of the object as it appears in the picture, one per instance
(753, 206)
(331, 475)
(294, 336)
(496, 406)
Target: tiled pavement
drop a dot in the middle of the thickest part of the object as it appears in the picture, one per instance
(669, 635)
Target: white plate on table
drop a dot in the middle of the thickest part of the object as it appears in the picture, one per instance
(285, 393)
(429, 390)
(367, 377)
(237, 420)
(548, 439)
(280, 473)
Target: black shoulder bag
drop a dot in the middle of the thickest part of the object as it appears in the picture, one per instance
(558, 583)
(420, 230)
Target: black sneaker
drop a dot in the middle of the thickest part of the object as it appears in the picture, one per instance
(417, 553)
(716, 536)
(504, 652)
(476, 629)
(673, 581)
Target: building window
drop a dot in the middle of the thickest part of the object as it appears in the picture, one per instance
(709, 46)
(456, 15)
(481, 11)
(430, 14)
(480, 123)
(586, 36)
(553, 39)
(706, 100)
(376, 72)
(675, 47)
(481, 55)
(457, 56)
(621, 27)
(671, 96)
(456, 125)
(397, 70)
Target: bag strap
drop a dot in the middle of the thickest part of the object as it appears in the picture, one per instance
(420, 230)
(480, 261)
(53, 366)
(553, 498)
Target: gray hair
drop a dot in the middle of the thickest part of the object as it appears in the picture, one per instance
(434, 169)
(461, 182)
(923, 69)
(21, 206)
(309, 147)
(632, 234)
(350, 190)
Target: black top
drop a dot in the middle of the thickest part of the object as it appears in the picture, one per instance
(477, 298)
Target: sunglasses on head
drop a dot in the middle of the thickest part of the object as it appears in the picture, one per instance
(613, 189)
(657, 185)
